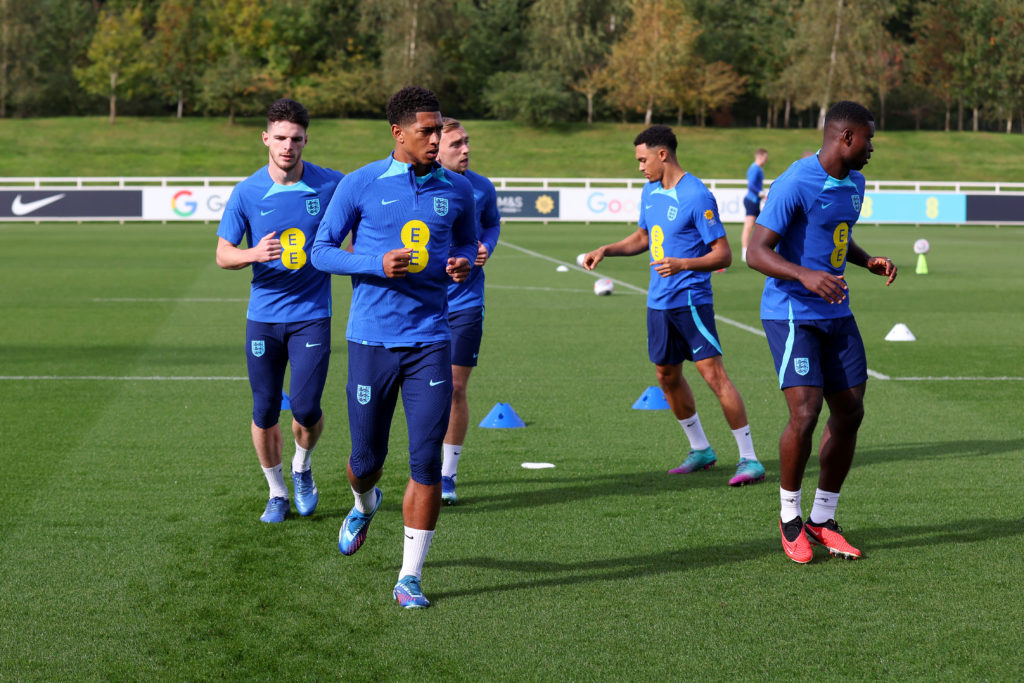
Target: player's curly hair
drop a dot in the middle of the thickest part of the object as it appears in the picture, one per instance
(409, 101)
(849, 112)
(657, 136)
(288, 110)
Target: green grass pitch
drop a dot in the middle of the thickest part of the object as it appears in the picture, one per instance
(130, 546)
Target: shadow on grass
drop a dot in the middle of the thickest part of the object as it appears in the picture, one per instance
(966, 448)
(670, 561)
(559, 490)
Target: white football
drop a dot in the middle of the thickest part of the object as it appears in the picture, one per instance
(603, 287)
(579, 260)
(921, 246)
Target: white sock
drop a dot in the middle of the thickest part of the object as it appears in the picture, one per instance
(365, 502)
(417, 543)
(695, 433)
(450, 463)
(790, 504)
(276, 480)
(745, 443)
(824, 508)
(300, 462)
(744, 254)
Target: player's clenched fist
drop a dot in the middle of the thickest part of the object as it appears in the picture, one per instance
(268, 248)
(396, 262)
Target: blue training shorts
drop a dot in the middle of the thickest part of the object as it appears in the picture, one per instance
(685, 333)
(269, 348)
(817, 353)
(467, 331)
(375, 376)
(752, 208)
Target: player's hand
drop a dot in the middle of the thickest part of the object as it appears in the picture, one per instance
(880, 265)
(396, 262)
(267, 249)
(667, 266)
(481, 255)
(831, 288)
(458, 269)
(591, 259)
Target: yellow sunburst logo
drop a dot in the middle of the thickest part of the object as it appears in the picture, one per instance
(544, 204)
(709, 214)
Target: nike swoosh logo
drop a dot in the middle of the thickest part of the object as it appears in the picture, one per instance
(474, 355)
(309, 346)
(435, 383)
(22, 209)
(697, 349)
(825, 206)
(648, 206)
(264, 213)
(385, 202)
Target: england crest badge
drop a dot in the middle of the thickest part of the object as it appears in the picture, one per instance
(441, 206)
(856, 202)
(672, 213)
(258, 347)
(802, 366)
(313, 206)
(363, 394)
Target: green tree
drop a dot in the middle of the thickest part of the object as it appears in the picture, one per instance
(647, 66)
(117, 59)
(713, 86)
(934, 54)
(178, 49)
(237, 79)
(407, 32)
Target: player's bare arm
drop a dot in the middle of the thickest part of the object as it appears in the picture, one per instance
(720, 256)
(458, 268)
(879, 265)
(231, 257)
(762, 257)
(396, 262)
(636, 243)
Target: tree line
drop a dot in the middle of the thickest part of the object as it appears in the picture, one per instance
(775, 63)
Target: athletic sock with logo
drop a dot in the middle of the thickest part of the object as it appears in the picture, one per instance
(417, 543)
(301, 459)
(790, 504)
(824, 509)
(275, 479)
(450, 463)
(694, 432)
(744, 443)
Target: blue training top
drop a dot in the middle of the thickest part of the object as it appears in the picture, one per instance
(289, 289)
(470, 293)
(814, 213)
(681, 222)
(755, 183)
(385, 206)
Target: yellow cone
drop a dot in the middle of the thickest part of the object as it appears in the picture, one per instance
(922, 265)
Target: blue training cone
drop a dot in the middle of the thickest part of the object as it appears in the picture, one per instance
(286, 403)
(653, 398)
(502, 417)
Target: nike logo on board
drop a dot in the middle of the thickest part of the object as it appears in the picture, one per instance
(19, 208)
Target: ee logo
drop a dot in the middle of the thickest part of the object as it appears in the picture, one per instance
(416, 236)
(657, 243)
(293, 255)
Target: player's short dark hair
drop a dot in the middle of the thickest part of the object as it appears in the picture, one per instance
(849, 112)
(288, 110)
(409, 101)
(657, 136)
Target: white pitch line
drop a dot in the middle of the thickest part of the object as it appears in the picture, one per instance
(127, 300)
(546, 289)
(760, 333)
(119, 378)
(956, 379)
